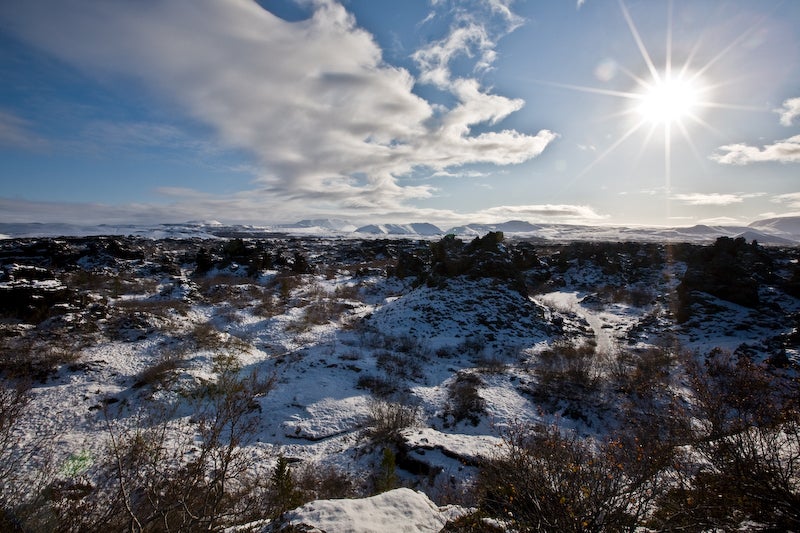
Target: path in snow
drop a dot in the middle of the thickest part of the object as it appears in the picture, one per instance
(571, 302)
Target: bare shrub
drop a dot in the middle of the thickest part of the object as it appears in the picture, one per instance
(401, 366)
(161, 373)
(565, 374)
(348, 292)
(161, 307)
(464, 400)
(388, 419)
(745, 425)
(545, 481)
(320, 482)
(148, 482)
(26, 467)
(13, 403)
(644, 373)
(31, 359)
(379, 386)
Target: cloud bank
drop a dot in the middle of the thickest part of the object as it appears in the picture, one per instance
(328, 121)
(709, 199)
(785, 151)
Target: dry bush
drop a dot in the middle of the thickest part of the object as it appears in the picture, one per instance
(160, 307)
(546, 481)
(223, 288)
(381, 387)
(205, 336)
(322, 310)
(635, 295)
(348, 292)
(645, 373)
(388, 419)
(319, 482)
(566, 374)
(160, 374)
(402, 366)
(26, 468)
(32, 359)
(744, 424)
(148, 481)
(464, 401)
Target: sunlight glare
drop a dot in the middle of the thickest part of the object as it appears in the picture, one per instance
(668, 100)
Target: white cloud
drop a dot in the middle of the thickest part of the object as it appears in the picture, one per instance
(722, 221)
(312, 100)
(792, 199)
(789, 111)
(539, 213)
(710, 199)
(785, 151)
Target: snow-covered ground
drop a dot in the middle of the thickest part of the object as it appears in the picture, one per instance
(337, 342)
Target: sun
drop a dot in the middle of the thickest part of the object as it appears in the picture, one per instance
(668, 100)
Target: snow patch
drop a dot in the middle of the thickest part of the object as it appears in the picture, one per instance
(399, 510)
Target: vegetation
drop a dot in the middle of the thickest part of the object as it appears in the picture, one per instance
(648, 436)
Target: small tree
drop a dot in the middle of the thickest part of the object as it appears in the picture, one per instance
(283, 489)
(386, 478)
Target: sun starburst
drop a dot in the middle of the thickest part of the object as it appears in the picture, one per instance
(669, 98)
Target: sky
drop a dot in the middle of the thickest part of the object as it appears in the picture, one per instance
(602, 112)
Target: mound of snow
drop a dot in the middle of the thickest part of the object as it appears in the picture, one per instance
(329, 417)
(399, 510)
(462, 309)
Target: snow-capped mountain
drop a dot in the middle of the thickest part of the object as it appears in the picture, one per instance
(417, 228)
(774, 231)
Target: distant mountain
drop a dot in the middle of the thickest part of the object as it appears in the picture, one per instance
(418, 228)
(512, 226)
(779, 231)
(336, 224)
(764, 238)
(788, 225)
(197, 223)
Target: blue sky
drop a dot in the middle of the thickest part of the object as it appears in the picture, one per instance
(446, 111)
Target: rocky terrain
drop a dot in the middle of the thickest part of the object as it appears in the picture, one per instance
(245, 379)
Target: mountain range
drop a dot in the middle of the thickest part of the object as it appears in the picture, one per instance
(780, 231)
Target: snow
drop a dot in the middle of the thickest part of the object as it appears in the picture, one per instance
(400, 510)
(777, 231)
(329, 417)
(316, 412)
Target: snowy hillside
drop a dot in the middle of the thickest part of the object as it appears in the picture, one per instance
(777, 231)
(346, 384)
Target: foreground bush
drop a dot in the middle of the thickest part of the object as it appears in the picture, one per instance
(546, 481)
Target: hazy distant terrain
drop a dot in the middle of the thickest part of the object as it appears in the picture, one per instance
(775, 231)
(207, 376)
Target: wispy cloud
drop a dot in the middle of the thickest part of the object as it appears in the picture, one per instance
(475, 27)
(328, 120)
(540, 213)
(789, 111)
(714, 199)
(17, 132)
(791, 199)
(785, 151)
(722, 221)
